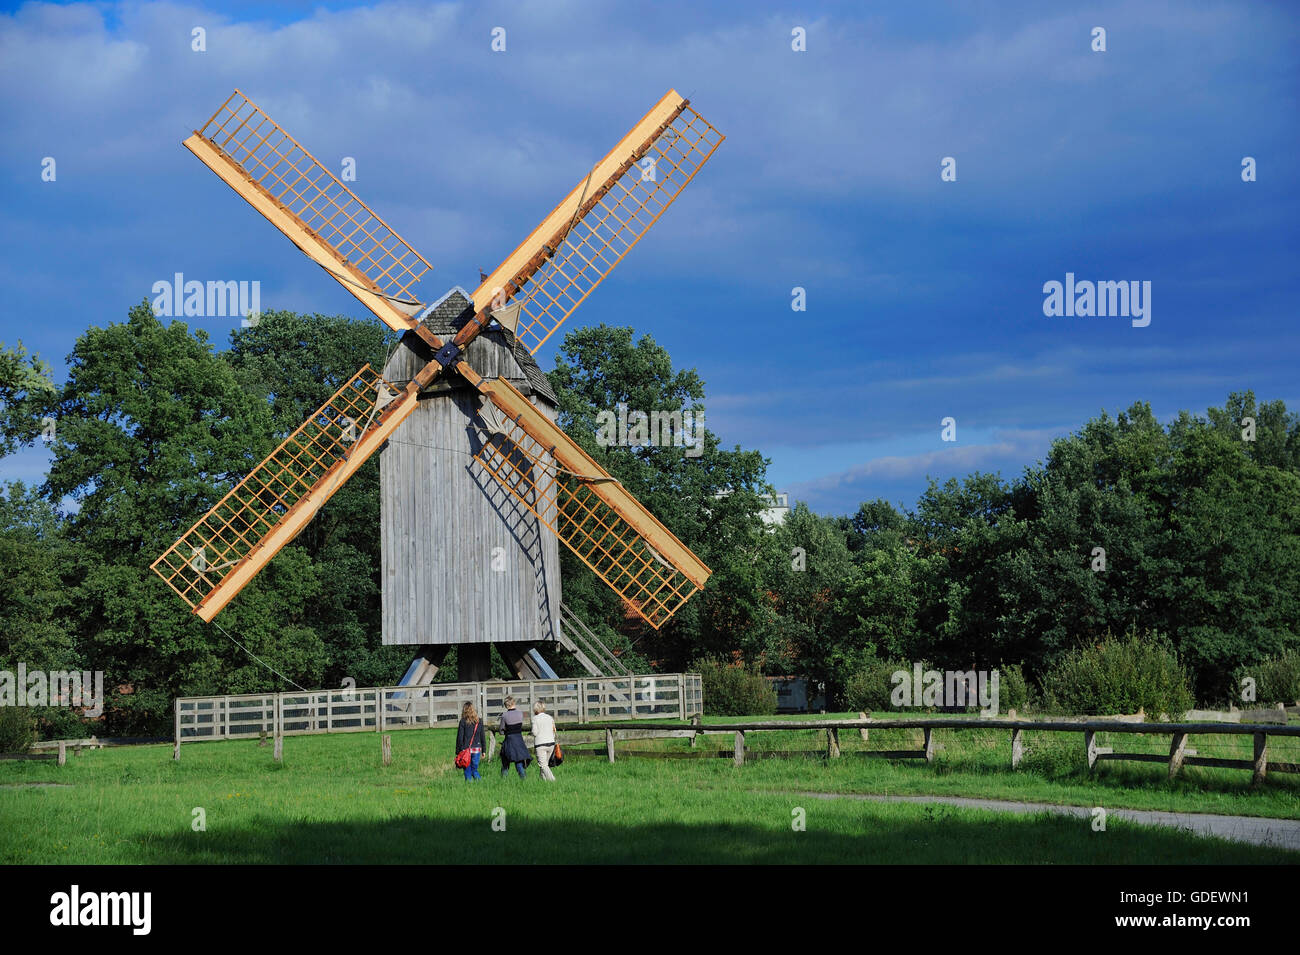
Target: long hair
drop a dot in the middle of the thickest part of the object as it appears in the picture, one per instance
(468, 713)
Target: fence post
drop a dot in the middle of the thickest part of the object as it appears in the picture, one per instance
(738, 758)
(1261, 758)
(866, 733)
(1017, 747)
(609, 744)
(176, 747)
(225, 717)
(1095, 752)
(379, 709)
(695, 721)
(386, 748)
(833, 742)
(1177, 753)
(278, 753)
(428, 690)
(681, 696)
(929, 744)
(63, 752)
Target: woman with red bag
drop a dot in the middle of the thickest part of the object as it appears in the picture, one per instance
(469, 741)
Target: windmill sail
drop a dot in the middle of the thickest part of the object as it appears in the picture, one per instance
(579, 243)
(591, 513)
(307, 202)
(226, 548)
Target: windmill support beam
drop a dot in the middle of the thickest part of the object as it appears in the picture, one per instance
(297, 233)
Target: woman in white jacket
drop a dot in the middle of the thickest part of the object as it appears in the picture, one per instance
(543, 740)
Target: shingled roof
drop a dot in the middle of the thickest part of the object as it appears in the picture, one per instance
(453, 310)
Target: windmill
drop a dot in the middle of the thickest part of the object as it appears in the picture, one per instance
(538, 482)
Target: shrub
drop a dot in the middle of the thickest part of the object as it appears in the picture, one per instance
(868, 689)
(1277, 679)
(735, 690)
(1013, 688)
(1119, 675)
(17, 729)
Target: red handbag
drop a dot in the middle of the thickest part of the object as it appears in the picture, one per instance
(464, 758)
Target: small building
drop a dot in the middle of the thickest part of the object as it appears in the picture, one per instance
(778, 508)
(792, 695)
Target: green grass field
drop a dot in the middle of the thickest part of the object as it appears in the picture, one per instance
(332, 801)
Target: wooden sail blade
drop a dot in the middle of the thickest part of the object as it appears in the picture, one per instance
(589, 511)
(226, 548)
(577, 245)
(318, 213)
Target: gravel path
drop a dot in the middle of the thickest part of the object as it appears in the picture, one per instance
(1257, 830)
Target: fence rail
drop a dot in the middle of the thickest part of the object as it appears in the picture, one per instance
(1180, 754)
(677, 696)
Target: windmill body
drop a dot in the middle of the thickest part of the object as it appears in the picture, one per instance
(465, 564)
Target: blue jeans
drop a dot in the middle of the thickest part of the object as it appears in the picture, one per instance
(471, 771)
(523, 773)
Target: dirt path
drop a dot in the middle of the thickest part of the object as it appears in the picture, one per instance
(1257, 830)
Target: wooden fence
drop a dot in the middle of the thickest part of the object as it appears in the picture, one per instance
(380, 709)
(1180, 754)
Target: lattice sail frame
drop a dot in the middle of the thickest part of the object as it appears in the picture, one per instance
(615, 219)
(298, 182)
(310, 461)
(582, 510)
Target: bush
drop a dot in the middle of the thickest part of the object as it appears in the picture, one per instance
(1119, 676)
(17, 729)
(868, 690)
(1277, 679)
(735, 690)
(1013, 688)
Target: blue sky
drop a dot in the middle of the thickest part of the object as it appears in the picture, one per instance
(924, 297)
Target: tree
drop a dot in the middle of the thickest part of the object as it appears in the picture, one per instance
(806, 575)
(152, 429)
(25, 385)
(35, 563)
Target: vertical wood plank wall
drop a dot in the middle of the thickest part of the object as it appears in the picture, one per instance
(442, 516)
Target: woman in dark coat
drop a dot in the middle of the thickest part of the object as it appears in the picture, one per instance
(514, 749)
(469, 736)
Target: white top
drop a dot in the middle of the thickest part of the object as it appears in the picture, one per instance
(543, 729)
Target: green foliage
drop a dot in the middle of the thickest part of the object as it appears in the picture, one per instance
(1277, 679)
(17, 729)
(869, 688)
(25, 387)
(1120, 675)
(1013, 688)
(734, 689)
